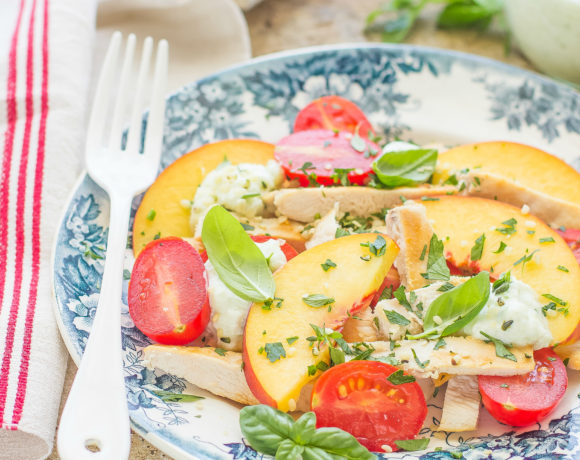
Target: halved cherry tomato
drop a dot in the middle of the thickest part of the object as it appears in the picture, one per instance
(325, 157)
(286, 248)
(357, 397)
(521, 400)
(167, 296)
(334, 113)
(572, 238)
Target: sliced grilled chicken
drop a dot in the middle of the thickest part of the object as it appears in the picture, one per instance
(554, 211)
(303, 204)
(409, 227)
(208, 370)
(325, 229)
(459, 356)
(372, 325)
(461, 406)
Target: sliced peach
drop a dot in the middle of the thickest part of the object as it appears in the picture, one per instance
(521, 164)
(161, 212)
(352, 284)
(459, 221)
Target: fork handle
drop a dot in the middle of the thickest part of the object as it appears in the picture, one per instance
(96, 411)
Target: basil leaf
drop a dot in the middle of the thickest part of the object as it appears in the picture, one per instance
(304, 428)
(265, 428)
(396, 318)
(317, 300)
(236, 258)
(413, 444)
(409, 167)
(168, 396)
(501, 350)
(455, 308)
(288, 450)
(340, 444)
(464, 14)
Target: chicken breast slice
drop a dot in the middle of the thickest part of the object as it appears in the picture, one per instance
(303, 204)
(373, 325)
(459, 356)
(208, 370)
(461, 406)
(408, 226)
(325, 229)
(554, 211)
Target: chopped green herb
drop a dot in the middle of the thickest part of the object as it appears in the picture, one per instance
(547, 240)
(151, 214)
(220, 351)
(477, 249)
(437, 268)
(312, 370)
(440, 343)
(250, 195)
(126, 274)
(247, 227)
(378, 247)
(402, 298)
(328, 265)
(530, 232)
(365, 258)
(504, 385)
(317, 300)
(275, 351)
(502, 284)
(563, 269)
(376, 322)
(420, 363)
(429, 198)
(501, 248)
(398, 378)
(451, 180)
(412, 445)
(445, 287)
(506, 324)
(157, 236)
(358, 143)
(396, 318)
(423, 252)
(501, 349)
(291, 340)
(525, 259)
(510, 227)
(340, 232)
(555, 299)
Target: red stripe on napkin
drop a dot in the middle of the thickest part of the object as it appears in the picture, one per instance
(11, 114)
(36, 216)
(20, 216)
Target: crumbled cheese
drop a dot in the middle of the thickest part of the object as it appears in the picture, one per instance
(525, 209)
(227, 184)
(530, 223)
(229, 311)
(519, 304)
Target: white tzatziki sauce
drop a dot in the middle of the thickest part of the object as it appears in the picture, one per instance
(228, 311)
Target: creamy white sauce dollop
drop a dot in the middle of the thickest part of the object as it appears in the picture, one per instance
(236, 187)
(228, 311)
(520, 310)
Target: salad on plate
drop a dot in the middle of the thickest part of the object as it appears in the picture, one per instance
(349, 279)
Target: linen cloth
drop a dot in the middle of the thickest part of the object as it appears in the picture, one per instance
(48, 55)
(45, 61)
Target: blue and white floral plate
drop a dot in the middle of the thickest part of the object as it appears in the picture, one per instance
(419, 94)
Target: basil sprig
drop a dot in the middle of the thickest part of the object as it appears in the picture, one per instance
(272, 432)
(408, 167)
(236, 258)
(455, 308)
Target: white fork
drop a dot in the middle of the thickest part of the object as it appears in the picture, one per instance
(95, 420)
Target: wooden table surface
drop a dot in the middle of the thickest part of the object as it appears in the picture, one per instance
(277, 25)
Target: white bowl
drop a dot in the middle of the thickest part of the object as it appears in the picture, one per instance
(548, 33)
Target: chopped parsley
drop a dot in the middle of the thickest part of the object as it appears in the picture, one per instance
(555, 299)
(525, 259)
(402, 298)
(423, 253)
(151, 214)
(501, 248)
(328, 265)
(563, 269)
(398, 378)
(547, 240)
(250, 195)
(275, 351)
(509, 227)
(247, 227)
(220, 351)
(437, 268)
(440, 343)
(396, 318)
(420, 363)
(291, 340)
(365, 258)
(451, 180)
(317, 300)
(501, 349)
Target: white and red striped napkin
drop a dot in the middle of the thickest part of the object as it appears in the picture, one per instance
(45, 59)
(46, 55)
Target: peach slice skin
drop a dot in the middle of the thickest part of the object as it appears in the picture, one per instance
(179, 181)
(353, 284)
(459, 221)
